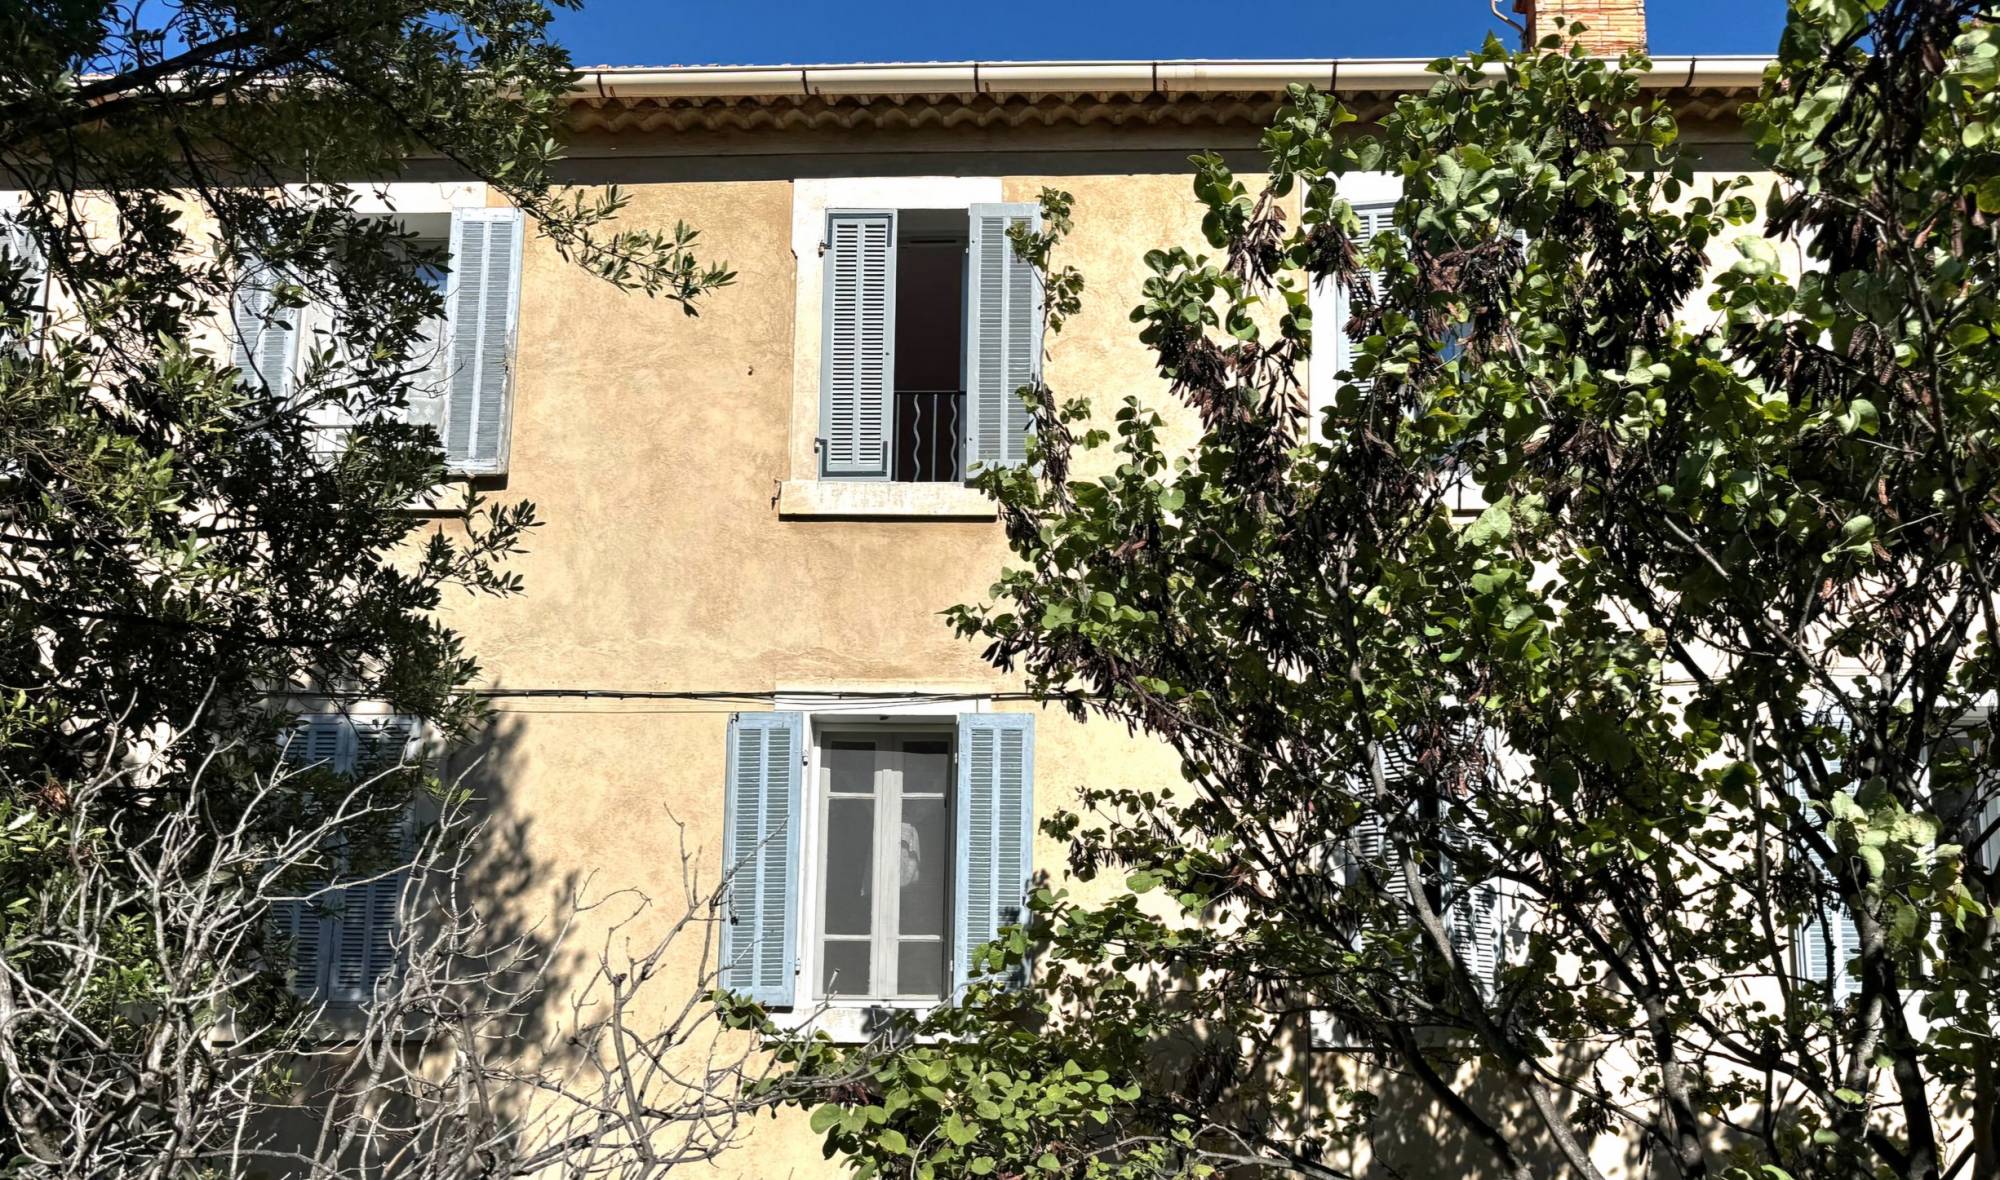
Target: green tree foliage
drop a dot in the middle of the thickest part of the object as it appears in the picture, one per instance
(179, 545)
(1704, 670)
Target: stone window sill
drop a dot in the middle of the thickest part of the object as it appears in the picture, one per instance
(854, 1022)
(829, 499)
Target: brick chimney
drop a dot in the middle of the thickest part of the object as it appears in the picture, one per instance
(1614, 25)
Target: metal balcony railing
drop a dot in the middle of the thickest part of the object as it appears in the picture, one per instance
(930, 432)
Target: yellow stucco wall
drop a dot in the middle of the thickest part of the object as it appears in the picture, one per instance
(654, 445)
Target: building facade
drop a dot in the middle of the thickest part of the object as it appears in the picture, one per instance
(732, 640)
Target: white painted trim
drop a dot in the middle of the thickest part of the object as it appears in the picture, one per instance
(410, 196)
(811, 198)
(807, 498)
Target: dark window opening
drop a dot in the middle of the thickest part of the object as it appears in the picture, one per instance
(929, 410)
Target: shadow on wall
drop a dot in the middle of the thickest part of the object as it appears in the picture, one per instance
(520, 898)
(516, 900)
(1291, 1088)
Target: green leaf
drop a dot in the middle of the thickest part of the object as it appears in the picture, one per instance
(1859, 415)
(1760, 256)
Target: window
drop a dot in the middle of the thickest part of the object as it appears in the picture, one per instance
(1373, 196)
(1827, 941)
(24, 267)
(1471, 913)
(342, 938)
(885, 864)
(1474, 913)
(468, 395)
(870, 860)
(930, 326)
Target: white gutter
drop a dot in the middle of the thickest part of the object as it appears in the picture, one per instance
(1131, 77)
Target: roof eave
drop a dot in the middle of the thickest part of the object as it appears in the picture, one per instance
(1742, 74)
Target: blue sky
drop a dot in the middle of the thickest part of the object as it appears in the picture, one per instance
(688, 32)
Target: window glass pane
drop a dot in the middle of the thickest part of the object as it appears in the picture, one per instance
(850, 862)
(846, 969)
(924, 866)
(926, 767)
(920, 968)
(850, 767)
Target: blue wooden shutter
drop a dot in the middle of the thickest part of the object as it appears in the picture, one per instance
(309, 926)
(1813, 942)
(1003, 336)
(343, 939)
(760, 855)
(483, 307)
(367, 921)
(858, 344)
(266, 334)
(995, 835)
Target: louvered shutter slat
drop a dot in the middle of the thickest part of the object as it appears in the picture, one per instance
(1371, 831)
(857, 372)
(24, 253)
(1377, 854)
(483, 306)
(309, 925)
(995, 831)
(1474, 926)
(265, 334)
(760, 856)
(1813, 944)
(1004, 335)
(299, 924)
(1373, 220)
(381, 745)
(369, 918)
(343, 940)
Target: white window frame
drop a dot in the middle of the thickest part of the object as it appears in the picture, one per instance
(851, 1019)
(804, 492)
(885, 927)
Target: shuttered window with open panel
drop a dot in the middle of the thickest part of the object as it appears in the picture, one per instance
(931, 325)
(921, 850)
(463, 361)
